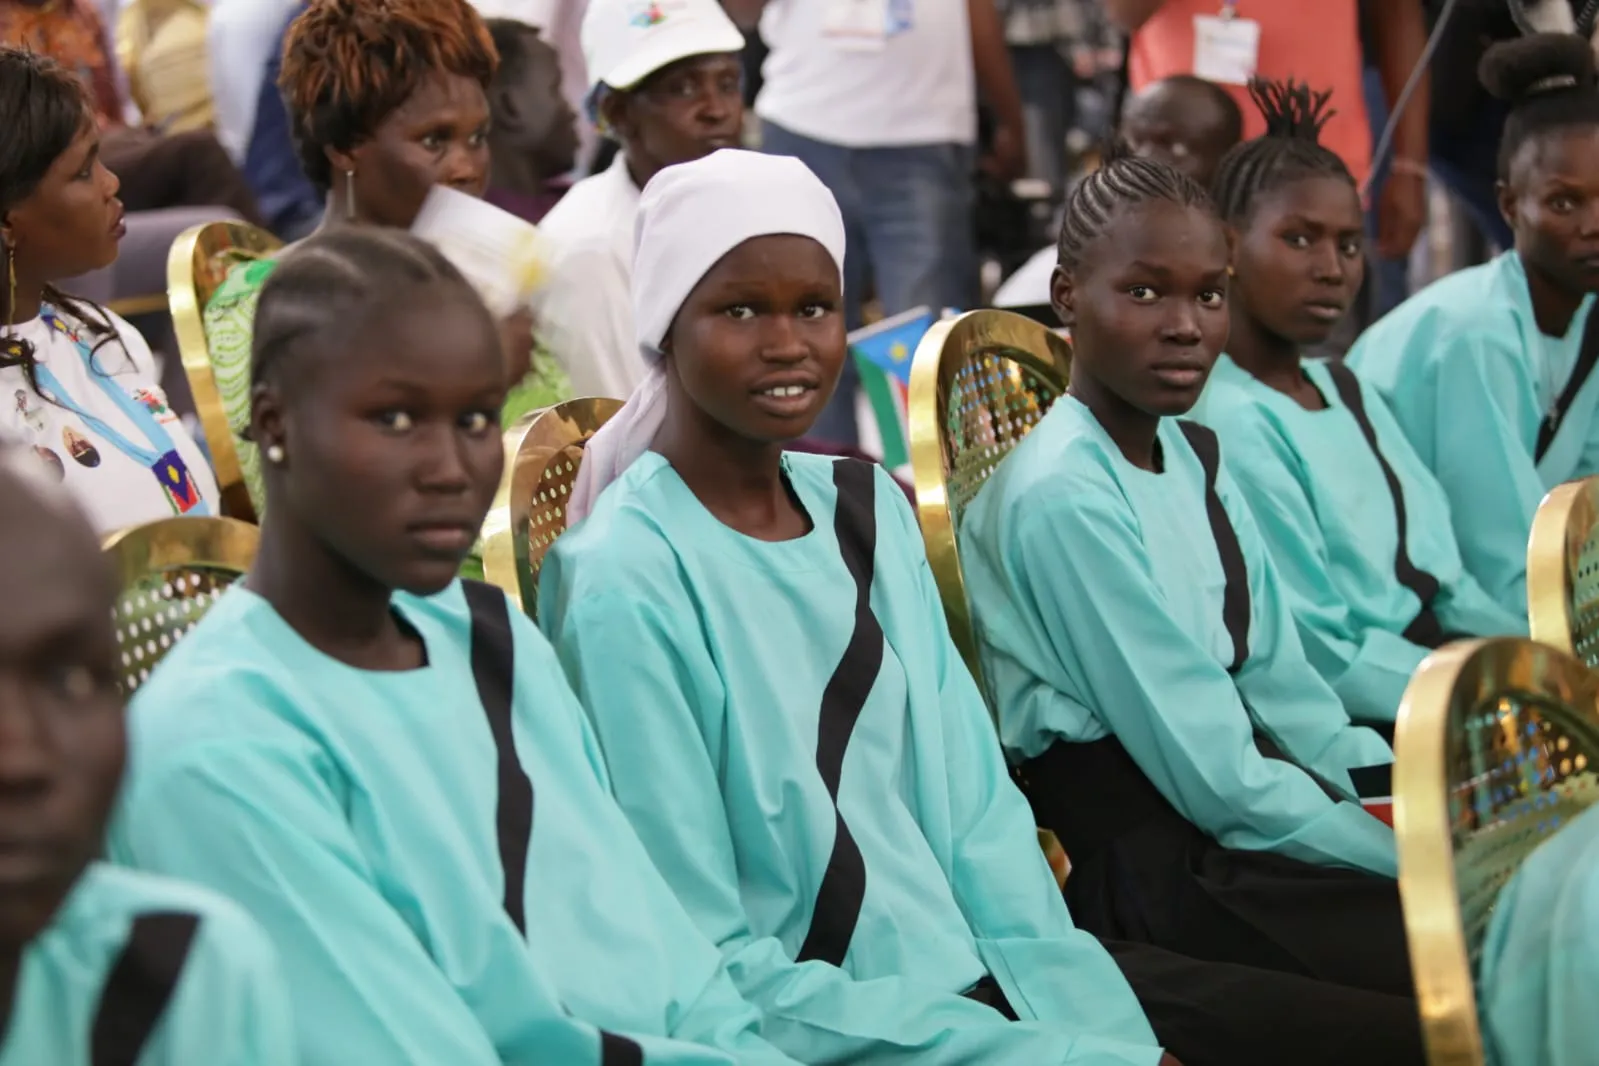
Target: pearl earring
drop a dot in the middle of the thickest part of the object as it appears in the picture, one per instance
(274, 453)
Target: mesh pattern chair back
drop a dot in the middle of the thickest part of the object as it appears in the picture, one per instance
(196, 267)
(1563, 570)
(543, 451)
(1497, 746)
(979, 384)
(171, 572)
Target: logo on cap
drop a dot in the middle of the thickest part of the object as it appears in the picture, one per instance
(647, 14)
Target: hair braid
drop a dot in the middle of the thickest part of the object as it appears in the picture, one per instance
(1123, 180)
(1289, 150)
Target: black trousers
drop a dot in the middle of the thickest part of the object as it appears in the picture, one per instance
(1236, 956)
(1220, 1014)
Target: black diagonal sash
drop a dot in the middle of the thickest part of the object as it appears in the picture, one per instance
(1424, 629)
(494, 670)
(1587, 356)
(843, 887)
(1236, 607)
(493, 666)
(140, 985)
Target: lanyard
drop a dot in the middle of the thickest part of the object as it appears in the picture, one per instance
(160, 457)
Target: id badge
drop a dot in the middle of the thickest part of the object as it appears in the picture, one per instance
(855, 25)
(1226, 48)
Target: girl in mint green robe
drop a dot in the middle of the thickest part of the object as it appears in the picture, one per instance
(1358, 527)
(207, 984)
(1538, 976)
(384, 765)
(1140, 655)
(1489, 371)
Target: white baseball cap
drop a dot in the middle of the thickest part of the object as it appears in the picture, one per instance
(625, 41)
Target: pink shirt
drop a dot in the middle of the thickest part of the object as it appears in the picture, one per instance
(1314, 41)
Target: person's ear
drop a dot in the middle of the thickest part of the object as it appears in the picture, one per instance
(506, 109)
(267, 430)
(341, 160)
(1507, 202)
(1063, 296)
(617, 111)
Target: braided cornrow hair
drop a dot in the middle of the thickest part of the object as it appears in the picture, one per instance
(330, 285)
(1288, 151)
(1122, 181)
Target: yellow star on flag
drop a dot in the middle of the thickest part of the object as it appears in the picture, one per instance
(899, 352)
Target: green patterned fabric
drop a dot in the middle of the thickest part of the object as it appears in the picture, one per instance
(229, 319)
(229, 322)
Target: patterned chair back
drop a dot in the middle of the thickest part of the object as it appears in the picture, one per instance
(543, 451)
(171, 571)
(1497, 746)
(1563, 570)
(197, 265)
(979, 384)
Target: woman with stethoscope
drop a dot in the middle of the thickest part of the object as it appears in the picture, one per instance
(78, 385)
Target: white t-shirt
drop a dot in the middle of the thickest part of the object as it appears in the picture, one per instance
(919, 88)
(1029, 286)
(585, 310)
(240, 36)
(114, 488)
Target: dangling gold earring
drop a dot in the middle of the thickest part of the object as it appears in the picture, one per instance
(349, 195)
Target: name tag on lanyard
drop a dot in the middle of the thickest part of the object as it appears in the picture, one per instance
(1226, 47)
(160, 457)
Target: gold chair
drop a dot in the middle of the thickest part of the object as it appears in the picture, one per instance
(542, 453)
(197, 265)
(1563, 570)
(1497, 745)
(979, 384)
(170, 572)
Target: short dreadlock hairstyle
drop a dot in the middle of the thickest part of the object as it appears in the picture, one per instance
(1124, 180)
(348, 64)
(1548, 81)
(1288, 151)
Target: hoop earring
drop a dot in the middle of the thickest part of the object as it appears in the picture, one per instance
(349, 195)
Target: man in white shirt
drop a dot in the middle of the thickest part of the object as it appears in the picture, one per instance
(665, 80)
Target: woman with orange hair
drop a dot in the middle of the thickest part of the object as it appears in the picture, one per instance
(385, 101)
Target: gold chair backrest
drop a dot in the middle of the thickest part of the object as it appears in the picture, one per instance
(171, 571)
(542, 453)
(196, 267)
(1497, 745)
(1563, 570)
(979, 383)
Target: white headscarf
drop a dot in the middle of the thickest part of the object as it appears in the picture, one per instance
(690, 216)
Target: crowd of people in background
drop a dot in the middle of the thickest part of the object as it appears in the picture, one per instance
(725, 791)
